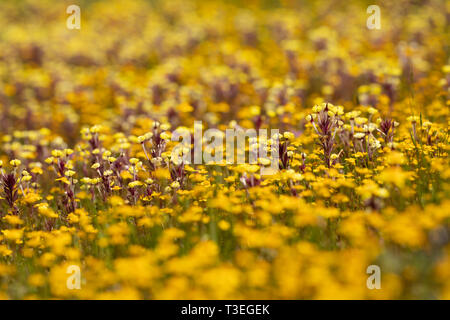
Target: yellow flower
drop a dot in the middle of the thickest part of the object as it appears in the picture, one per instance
(14, 235)
(95, 165)
(69, 173)
(15, 163)
(57, 153)
(175, 185)
(44, 210)
(13, 220)
(36, 280)
(134, 161)
(224, 225)
(5, 251)
(135, 184)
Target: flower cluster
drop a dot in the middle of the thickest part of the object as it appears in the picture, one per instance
(88, 175)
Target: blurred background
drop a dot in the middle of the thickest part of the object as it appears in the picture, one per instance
(137, 58)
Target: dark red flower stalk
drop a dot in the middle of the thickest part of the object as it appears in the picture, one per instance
(303, 166)
(250, 181)
(283, 155)
(10, 192)
(178, 173)
(387, 128)
(326, 129)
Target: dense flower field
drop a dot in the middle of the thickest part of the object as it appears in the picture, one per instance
(88, 178)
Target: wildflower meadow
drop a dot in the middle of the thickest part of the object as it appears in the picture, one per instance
(191, 149)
